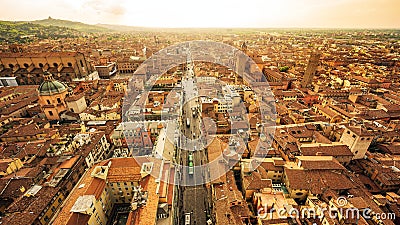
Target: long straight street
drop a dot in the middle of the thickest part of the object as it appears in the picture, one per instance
(195, 207)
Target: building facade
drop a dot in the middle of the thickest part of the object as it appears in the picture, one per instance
(28, 68)
(52, 96)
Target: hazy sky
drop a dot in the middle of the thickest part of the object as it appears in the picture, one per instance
(212, 13)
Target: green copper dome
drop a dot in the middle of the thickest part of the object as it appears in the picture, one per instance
(51, 86)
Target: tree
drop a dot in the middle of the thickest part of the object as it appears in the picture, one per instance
(284, 68)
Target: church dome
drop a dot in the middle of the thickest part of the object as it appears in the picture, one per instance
(51, 86)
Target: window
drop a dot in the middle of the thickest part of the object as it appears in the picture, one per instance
(81, 63)
(55, 64)
(354, 136)
(26, 65)
(348, 132)
(40, 64)
(69, 64)
(58, 100)
(51, 113)
(48, 101)
(11, 66)
(72, 110)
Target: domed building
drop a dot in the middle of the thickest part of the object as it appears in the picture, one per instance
(52, 94)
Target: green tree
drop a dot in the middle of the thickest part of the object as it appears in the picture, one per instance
(284, 68)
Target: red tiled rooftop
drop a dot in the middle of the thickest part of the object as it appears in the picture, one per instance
(78, 218)
(96, 187)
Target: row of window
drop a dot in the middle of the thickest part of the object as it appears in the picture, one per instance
(362, 139)
(26, 65)
(125, 184)
(53, 209)
(49, 103)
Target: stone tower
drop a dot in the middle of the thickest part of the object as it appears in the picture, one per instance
(311, 69)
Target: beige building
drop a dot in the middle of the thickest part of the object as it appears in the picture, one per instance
(111, 182)
(314, 175)
(76, 103)
(28, 68)
(52, 94)
(164, 147)
(106, 71)
(106, 115)
(129, 65)
(9, 166)
(357, 139)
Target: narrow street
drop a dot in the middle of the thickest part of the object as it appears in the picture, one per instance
(195, 207)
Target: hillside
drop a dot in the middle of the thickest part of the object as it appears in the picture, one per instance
(82, 27)
(23, 32)
(122, 28)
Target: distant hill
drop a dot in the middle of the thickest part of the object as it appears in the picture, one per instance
(121, 28)
(24, 32)
(73, 25)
